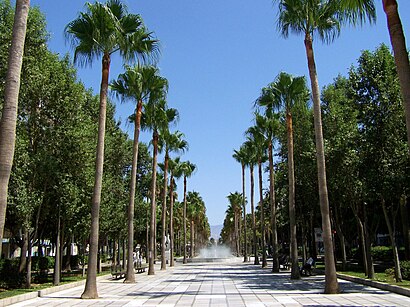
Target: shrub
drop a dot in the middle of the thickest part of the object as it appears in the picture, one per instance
(9, 273)
(405, 269)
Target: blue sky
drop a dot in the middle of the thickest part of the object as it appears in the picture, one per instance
(217, 55)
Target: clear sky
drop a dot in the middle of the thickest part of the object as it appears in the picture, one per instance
(217, 55)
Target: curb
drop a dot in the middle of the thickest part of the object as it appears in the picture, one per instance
(40, 293)
(376, 284)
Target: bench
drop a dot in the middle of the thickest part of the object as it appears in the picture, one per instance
(140, 267)
(117, 271)
(284, 262)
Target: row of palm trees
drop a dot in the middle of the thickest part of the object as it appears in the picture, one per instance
(142, 84)
(322, 19)
(104, 29)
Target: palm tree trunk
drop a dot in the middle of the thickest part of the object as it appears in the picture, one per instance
(331, 284)
(295, 274)
(191, 250)
(164, 213)
(245, 242)
(152, 245)
(254, 243)
(90, 290)
(401, 56)
(236, 230)
(171, 221)
(264, 260)
(184, 221)
(274, 239)
(10, 106)
(130, 277)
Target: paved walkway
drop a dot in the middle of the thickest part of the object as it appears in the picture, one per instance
(221, 284)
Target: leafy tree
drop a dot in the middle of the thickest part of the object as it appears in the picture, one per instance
(384, 161)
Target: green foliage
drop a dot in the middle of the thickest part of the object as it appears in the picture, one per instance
(405, 269)
(9, 273)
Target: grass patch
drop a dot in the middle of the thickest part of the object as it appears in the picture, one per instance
(65, 279)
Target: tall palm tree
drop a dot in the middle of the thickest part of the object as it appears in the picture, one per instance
(175, 172)
(187, 169)
(101, 31)
(401, 56)
(284, 93)
(8, 120)
(195, 213)
(169, 142)
(138, 83)
(255, 134)
(241, 157)
(157, 116)
(323, 18)
(235, 202)
(251, 162)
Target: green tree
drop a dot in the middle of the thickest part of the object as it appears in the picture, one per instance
(323, 18)
(99, 32)
(382, 146)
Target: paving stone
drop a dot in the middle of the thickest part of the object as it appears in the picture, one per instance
(234, 284)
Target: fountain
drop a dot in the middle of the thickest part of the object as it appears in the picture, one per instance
(214, 253)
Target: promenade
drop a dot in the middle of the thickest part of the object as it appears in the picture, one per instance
(221, 284)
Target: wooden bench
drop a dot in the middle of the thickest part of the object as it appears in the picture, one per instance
(140, 267)
(284, 262)
(117, 271)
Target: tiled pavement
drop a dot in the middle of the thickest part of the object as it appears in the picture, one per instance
(221, 284)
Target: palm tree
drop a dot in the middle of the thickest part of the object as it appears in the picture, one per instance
(187, 169)
(137, 83)
(241, 157)
(255, 134)
(101, 31)
(9, 113)
(196, 213)
(175, 172)
(157, 116)
(324, 18)
(401, 56)
(251, 162)
(169, 142)
(284, 93)
(235, 202)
